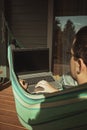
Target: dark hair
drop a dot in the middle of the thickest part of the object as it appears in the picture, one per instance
(80, 46)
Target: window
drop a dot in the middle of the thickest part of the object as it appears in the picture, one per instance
(64, 29)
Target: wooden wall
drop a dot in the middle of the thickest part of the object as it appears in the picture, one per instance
(30, 21)
(27, 20)
(3, 46)
(0, 20)
(70, 7)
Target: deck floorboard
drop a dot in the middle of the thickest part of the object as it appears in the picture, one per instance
(8, 115)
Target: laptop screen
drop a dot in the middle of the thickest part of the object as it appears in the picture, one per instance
(27, 61)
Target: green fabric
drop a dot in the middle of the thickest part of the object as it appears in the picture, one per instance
(63, 110)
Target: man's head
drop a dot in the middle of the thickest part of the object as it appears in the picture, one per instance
(78, 62)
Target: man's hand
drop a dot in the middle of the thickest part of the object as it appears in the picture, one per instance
(23, 84)
(46, 87)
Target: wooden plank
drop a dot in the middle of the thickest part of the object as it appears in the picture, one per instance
(10, 120)
(5, 112)
(8, 115)
(4, 126)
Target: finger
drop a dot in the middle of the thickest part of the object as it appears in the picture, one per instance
(41, 83)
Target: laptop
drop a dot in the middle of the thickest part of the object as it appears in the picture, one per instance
(32, 65)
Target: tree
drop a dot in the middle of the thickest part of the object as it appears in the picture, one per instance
(67, 38)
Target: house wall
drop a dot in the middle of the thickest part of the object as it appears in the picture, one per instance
(3, 46)
(27, 20)
(60, 48)
(70, 7)
(30, 23)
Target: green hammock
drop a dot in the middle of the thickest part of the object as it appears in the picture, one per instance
(65, 110)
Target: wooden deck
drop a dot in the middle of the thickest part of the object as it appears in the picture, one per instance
(8, 116)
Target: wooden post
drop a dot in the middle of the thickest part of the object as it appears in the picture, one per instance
(50, 30)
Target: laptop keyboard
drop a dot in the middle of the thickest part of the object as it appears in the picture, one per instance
(35, 80)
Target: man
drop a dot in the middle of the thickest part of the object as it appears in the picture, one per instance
(78, 62)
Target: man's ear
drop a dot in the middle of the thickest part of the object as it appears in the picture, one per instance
(80, 66)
